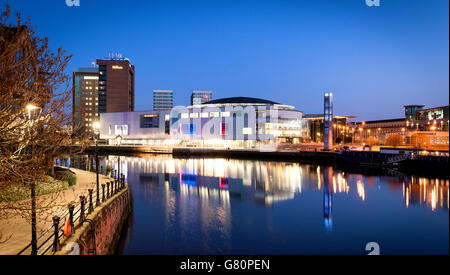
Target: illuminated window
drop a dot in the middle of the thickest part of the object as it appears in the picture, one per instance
(184, 115)
(194, 115)
(149, 121)
(203, 115)
(225, 114)
(214, 114)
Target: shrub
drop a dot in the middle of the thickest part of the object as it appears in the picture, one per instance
(20, 191)
(371, 141)
(65, 175)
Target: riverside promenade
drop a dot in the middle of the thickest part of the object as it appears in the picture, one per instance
(18, 229)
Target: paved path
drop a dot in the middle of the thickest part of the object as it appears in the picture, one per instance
(18, 229)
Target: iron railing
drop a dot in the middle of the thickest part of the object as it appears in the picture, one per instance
(76, 215)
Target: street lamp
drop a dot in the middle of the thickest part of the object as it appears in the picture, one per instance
(118, 143)
(96, 126)
(31, 108)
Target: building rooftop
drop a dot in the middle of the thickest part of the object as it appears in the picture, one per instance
(319, 116)
(420, 106)
(433, 108)
(237, 100)
(383, 120)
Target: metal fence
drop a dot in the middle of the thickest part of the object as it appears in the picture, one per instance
(75, 214)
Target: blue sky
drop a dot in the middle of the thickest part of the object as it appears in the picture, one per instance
(374, 59)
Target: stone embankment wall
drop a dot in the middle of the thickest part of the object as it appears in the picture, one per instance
(107, 220)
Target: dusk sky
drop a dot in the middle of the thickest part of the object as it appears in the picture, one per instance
(374, 59)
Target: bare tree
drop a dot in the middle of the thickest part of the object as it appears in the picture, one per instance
(394, 140)
(35, 112)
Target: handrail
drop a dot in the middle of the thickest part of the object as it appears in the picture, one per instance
(76, 217)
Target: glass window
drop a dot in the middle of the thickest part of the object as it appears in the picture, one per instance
(149, 121)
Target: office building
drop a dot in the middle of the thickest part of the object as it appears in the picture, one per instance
(116, 85)
(200, 97)
(379, 130)
(431, 123)
(85, 99)
(162, 100)
(136, 128)
(430, 119)
(236, 122)
(342, 129)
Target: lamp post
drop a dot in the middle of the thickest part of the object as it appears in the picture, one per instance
(118, 143)
(31, 108)
(403, 135)
(96, 126)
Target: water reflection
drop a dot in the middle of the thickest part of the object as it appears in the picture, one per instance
(271, 182)
(231, 206)
(424, 191)
(266, 182)
(328, 197)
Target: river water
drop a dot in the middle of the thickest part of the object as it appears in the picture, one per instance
(223, 206)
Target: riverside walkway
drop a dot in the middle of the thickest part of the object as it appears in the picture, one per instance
(18, 230)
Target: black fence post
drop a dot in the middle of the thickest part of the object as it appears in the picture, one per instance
(91, 205)
(82, 201)
(107, 190)
(56, 233)
(72, 228)
(103, 193)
